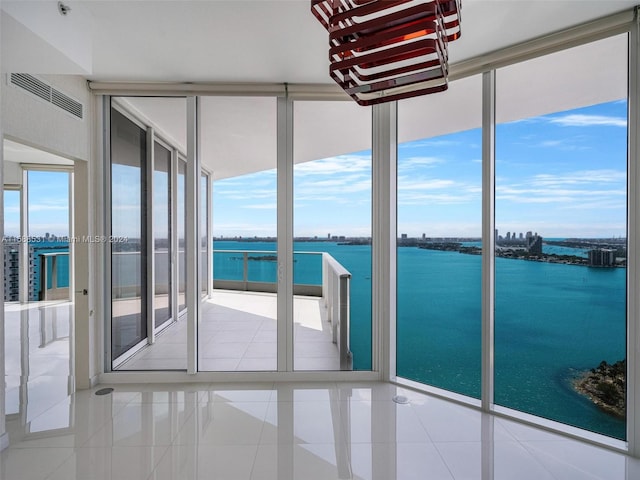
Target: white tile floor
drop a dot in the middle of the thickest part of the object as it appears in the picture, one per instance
(286, 431)
(283, 431)
(238, 332)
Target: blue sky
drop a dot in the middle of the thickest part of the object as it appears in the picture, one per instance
(561, 175)
(48, 205)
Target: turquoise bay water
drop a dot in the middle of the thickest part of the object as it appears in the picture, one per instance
(552, 321)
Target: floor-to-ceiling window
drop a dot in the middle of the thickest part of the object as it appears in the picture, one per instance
(557, 210)
(238, 327)
(332, 185)
(561, 237)
(148, 212)
(439, 219)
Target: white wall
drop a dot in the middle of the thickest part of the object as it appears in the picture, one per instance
(34, 122)
(31, 121)
(12, 173)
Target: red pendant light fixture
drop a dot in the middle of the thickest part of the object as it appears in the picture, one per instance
(385, 50)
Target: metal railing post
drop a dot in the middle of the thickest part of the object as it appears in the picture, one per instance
(245, 269)
(345, 351)
(43, 277)
(54, 272)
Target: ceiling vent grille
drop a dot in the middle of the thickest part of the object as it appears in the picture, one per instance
(46, 92)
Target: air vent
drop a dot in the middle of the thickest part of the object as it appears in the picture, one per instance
(46, 92)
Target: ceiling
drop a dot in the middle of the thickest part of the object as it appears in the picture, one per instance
(280, 41)
(24, 154)
(236, 41)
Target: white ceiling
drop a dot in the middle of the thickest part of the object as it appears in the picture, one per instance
(281, 41)
(239, 40)
(23, 154)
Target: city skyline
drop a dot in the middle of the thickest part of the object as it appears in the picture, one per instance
(561, 174)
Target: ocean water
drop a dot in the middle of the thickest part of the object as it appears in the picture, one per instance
(552, 321)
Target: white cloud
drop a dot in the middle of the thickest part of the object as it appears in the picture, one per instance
(578, 120)
(602, 176)
(404, 184)
(429, 143)
(334, 166)
(435, 199)
(418, 162)
(567, 144)
(261, 206)
(588, 189)
(48, 208)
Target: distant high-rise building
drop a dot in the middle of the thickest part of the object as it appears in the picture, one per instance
(534, 244)
(602, 257)
(11, 272)
(403, 236)
(521, 236)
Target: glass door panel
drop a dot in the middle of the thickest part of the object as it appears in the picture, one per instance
(146, 198)
(332, 236)
(128, 221)
(238, 324)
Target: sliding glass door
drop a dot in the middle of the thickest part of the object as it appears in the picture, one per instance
(147, 237)
(128, 222)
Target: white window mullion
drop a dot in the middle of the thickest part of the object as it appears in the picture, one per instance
(151, 334)
(488, 234)
(633, 246)
(285, 234)
(24, 233)
(175, 163)
(209, 204)
(192, 240)
(106, 230)
(384, 170)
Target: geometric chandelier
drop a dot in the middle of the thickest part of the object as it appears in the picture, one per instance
(385, 50)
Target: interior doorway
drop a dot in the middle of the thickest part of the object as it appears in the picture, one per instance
(38, 287)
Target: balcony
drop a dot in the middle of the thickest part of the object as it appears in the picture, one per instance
(238, 324)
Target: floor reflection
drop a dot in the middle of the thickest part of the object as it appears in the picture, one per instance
(38, 367)
(293, 431)
(262, 431)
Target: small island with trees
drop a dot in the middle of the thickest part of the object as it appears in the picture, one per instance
(605, 386)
